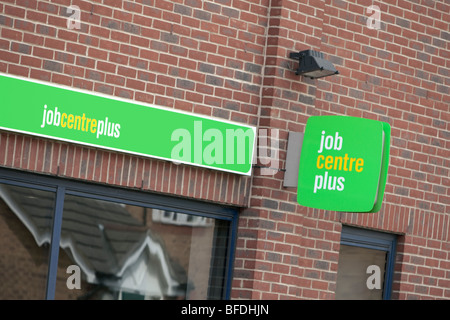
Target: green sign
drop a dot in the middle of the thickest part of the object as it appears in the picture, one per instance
(343, 164)
(96, 120)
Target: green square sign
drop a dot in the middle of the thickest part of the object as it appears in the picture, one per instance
(343, 164)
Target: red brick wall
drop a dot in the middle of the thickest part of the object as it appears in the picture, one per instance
(397, 74)
(188, 55)
(229, 59)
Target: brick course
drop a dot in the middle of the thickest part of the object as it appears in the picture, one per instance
(229, 59)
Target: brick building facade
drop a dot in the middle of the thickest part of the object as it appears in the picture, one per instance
(229, 59)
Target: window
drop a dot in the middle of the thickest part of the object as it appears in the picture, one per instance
(81, 241)
(366, 264)
(25, 233)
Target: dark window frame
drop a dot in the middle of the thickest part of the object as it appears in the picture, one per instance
(370, 239)
(64, 186)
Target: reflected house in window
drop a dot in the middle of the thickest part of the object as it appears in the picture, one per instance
(113, 249)
(175, 218)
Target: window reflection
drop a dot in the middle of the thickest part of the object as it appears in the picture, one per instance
(352, 273)
(132, 252)
(25, 232)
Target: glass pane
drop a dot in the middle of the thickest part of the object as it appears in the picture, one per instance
(360, 273)
(25, 233)
(115, 251)
(218, 261)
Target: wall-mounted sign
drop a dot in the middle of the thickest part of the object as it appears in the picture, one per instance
(343, 164)
(96, 120)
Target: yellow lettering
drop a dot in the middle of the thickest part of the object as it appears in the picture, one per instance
(340, 163)
(345, 162)
(336, 161)
(94, 125)
(77, 121)
(359, 165)
(319, 158)
(328, 162)
(63, 122)
(351, 163)
(70, 120)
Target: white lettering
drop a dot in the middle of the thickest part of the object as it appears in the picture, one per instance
(374, 21)
(182, 150)
(213, 152)
(240, 137)
(374, 281)
(242, 309)
(43, 119)
(198, 310)
(57, 118)
(74, 281)
(268, 152)
(73, 22)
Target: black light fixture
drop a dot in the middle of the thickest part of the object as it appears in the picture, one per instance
(312, 64)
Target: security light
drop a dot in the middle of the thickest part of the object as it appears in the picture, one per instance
(312, 64)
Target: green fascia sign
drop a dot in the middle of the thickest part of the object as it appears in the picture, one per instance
(77, 116)
(343, 164)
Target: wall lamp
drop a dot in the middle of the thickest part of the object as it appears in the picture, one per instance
(312, 64)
